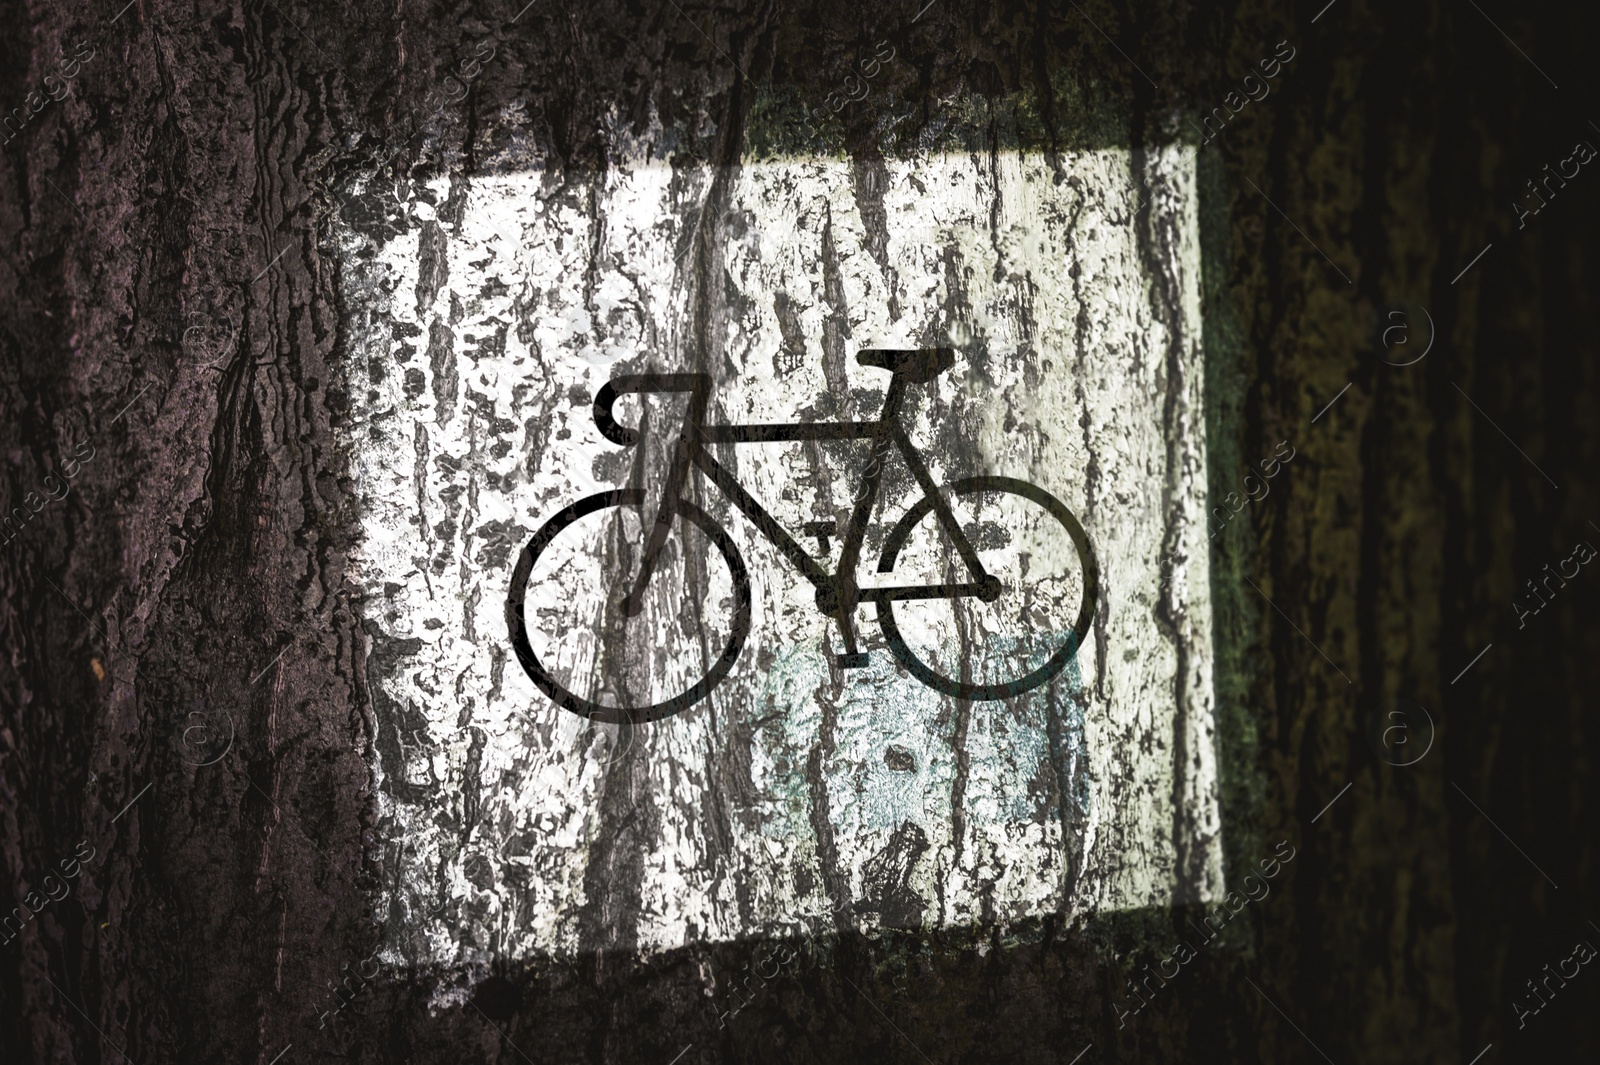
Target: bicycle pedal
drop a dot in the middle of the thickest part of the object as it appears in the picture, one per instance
(851, 661)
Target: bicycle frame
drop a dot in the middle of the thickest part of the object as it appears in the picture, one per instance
(838, 594)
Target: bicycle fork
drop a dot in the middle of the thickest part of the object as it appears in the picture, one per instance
(677, 472)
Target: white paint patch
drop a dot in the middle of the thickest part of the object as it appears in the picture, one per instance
(479, 335)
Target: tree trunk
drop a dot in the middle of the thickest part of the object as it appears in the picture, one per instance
(276, 785)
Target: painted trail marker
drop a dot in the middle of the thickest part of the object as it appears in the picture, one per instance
(1049, 386)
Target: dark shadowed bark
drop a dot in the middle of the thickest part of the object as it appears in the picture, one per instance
(186, 692)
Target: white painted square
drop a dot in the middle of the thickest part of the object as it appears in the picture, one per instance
(1067, 376)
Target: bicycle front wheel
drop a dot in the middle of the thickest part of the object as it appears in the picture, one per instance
(582, 650)
(995, 648)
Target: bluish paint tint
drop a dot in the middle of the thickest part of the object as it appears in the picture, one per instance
(1007, 746)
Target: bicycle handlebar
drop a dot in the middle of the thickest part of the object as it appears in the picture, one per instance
(643, 382)
(916, 365)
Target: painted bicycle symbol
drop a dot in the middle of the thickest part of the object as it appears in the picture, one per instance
(1010, 576)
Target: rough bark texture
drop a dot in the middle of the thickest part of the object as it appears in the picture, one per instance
(172, 301)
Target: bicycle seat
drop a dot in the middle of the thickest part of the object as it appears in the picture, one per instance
(918, 365)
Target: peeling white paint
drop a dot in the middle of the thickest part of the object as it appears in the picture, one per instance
(553, 284)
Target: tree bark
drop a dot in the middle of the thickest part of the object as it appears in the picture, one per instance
(191, 694)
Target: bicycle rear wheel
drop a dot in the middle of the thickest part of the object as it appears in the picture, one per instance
(574, 641)
(975, 649)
